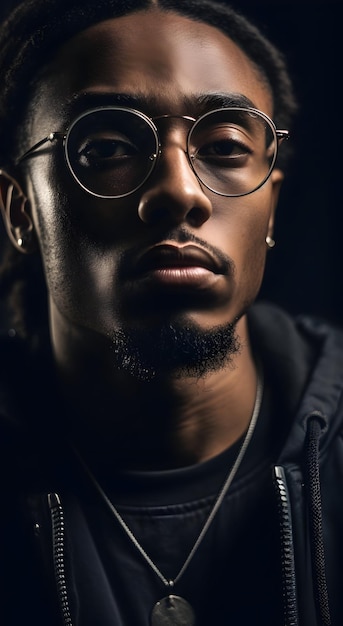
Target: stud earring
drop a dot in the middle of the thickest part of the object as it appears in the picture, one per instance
(24, 239)
(270, 242)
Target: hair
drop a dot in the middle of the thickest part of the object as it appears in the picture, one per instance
(30, 36)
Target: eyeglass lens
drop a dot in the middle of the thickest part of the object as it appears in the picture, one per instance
(111, 152)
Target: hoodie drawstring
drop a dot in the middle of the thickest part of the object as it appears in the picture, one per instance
(314, 431)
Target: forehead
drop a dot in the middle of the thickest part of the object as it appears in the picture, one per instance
(163, 58)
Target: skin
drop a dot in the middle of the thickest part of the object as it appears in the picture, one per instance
(175, 420)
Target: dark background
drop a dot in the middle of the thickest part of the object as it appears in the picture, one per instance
(304, 270)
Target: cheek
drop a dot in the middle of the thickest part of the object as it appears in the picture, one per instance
(253, 239)
(240, 226)
(253, 248)
(80, 266)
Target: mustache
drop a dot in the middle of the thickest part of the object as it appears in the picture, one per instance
(181, 236)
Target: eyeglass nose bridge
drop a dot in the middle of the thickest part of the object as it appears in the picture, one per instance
(156, 156)
(167, 116)
(188, 118)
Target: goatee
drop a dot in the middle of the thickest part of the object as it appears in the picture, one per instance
(174, 348)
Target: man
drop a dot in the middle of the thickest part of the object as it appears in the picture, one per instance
(161, 437)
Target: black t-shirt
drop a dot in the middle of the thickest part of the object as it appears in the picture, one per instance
(234, 577)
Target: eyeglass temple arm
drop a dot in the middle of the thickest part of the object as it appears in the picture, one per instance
(282, 135)
(51, 137)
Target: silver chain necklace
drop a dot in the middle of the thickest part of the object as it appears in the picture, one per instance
(173, 610)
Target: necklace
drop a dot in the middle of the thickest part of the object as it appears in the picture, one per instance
(173, 610)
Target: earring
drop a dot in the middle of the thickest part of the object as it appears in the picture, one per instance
(24, 239)
(270, 242)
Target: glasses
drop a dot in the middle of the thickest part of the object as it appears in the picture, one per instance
(112, 151)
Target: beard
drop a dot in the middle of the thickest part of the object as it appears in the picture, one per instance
(174, 348)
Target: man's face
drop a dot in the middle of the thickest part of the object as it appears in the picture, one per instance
(126, 264)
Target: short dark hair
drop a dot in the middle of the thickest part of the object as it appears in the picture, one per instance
(29, 38)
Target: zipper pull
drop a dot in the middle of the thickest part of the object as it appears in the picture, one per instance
(53, 500)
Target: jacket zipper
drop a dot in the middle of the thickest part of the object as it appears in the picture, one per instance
(58, 544)
(287, 549)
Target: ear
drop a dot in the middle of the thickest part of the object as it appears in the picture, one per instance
(276, 178)
(15, 212)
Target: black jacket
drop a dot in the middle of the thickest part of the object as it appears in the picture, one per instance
(303, 363)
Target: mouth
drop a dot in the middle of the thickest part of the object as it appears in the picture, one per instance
(178, 266)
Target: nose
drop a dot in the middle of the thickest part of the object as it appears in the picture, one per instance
(174, 194)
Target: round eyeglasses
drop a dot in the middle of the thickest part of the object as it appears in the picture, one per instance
(112, 151)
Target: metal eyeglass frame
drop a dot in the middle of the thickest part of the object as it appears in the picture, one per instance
(279, 136)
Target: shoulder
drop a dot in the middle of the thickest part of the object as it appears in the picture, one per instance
(302, 356)
(299, 339)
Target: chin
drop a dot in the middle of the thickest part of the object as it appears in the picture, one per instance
(177, 347)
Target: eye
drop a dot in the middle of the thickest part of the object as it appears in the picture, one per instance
(223, 144)
(222, 148)
(105, 150)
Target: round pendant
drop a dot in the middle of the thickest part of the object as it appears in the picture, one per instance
(172, 611)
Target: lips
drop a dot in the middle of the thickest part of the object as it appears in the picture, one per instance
(175, 267)
(167, 256)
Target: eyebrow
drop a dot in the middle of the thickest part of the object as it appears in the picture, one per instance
(218, 100)
(201, 103)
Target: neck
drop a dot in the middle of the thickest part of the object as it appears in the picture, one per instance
(165, 423)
